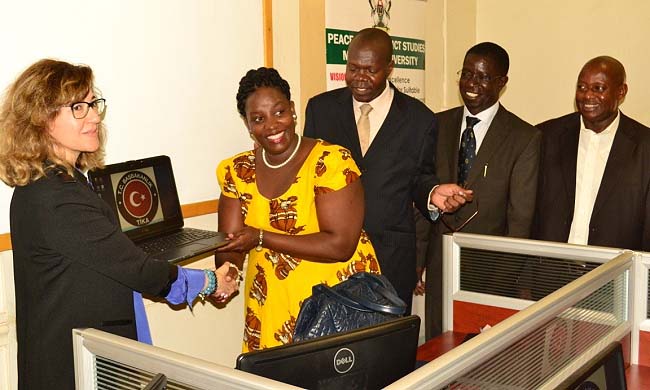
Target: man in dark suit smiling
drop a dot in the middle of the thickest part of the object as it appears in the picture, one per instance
(504, 152)
(594, 174)
(392, 139)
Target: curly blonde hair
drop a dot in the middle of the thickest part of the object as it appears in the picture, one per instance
(30, 104)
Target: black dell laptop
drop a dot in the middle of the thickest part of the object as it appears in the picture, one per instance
(143, 195)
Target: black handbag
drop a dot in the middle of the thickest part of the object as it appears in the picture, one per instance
(363, 299)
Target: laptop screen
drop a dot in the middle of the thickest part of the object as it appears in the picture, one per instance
(143, 195)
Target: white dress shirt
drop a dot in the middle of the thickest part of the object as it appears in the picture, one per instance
(380, 107)
(480, 129)
(593, 151)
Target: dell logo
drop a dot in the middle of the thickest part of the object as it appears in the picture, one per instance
(343, 360)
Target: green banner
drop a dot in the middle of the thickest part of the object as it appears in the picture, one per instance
(408, 53)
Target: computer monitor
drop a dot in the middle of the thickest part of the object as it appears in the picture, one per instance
(606, 371)
(365, 358)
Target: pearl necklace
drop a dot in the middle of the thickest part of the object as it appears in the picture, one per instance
(293, 154)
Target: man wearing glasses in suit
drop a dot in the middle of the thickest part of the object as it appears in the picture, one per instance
(485, 148)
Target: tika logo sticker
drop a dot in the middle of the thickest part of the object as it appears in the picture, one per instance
(137, 198)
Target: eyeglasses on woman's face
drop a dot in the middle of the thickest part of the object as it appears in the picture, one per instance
(80, 109)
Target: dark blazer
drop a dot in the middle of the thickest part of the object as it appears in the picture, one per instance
(396, 172)
(504, 180)
(73, 268)
(621, 213)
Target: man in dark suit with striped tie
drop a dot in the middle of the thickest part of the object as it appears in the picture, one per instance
(486, 148)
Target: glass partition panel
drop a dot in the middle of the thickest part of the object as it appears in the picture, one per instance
(534, 359)
(546, 341)
(115, 375)
(106, 361)
(517, 275)
(647, 314)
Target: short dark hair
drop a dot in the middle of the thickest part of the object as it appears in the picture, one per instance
(495, 52)
(256, 78)
(378, 38)
(616, 68)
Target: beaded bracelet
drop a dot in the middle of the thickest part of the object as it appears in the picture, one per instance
(212, 284)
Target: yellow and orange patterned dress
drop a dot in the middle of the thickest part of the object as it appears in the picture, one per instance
(277, 283)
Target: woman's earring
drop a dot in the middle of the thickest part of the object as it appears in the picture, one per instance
(295, 117)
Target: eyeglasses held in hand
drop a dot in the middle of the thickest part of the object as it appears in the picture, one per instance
(468, 220)
(80, 109)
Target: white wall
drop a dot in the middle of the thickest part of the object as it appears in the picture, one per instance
(287, 34)
(169, 70)
(549, 41)
(8, 344)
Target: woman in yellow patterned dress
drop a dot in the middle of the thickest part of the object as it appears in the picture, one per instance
(294, 205)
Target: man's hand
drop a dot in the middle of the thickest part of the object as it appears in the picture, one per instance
(450, 197)
(419, 287)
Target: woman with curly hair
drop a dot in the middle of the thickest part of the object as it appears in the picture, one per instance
(294, 205)
(73, 266)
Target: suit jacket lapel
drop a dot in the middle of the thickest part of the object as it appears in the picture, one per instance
(622, 150)
(568, 147)
(497, 133)
(348, 124)
(447, 149)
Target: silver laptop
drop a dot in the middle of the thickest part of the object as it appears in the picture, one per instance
(143, 195)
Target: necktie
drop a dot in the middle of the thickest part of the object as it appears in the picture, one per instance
(467, 150)
(363, 127)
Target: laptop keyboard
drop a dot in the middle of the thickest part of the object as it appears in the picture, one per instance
(164, 243)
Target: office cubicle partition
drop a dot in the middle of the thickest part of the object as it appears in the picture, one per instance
(542, 345)
(538, 347)
(542, 268)
(641, 313)
(511, 273)
(107, 361)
